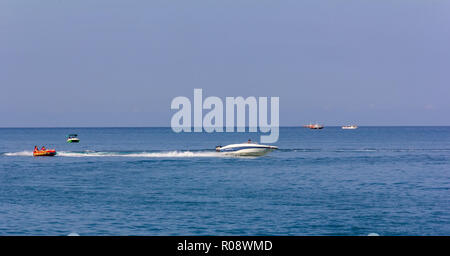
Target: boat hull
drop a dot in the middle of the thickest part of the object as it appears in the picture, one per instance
(247, 149)
(250, 152)
(73, 140)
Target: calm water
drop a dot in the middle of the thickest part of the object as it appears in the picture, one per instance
(151, 181)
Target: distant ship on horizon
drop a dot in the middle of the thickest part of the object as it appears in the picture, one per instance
(349, 127)
(314, 126)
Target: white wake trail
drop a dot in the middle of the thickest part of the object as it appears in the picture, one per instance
(140, 154)
(21, 153)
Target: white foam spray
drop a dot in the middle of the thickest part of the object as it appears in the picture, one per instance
(88, 153)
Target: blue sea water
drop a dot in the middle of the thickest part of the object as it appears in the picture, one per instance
(152, 181)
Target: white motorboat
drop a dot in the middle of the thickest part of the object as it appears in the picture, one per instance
(246, 149)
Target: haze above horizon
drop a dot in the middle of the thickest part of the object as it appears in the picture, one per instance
(120, 63)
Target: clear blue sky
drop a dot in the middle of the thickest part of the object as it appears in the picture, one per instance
(120, 63)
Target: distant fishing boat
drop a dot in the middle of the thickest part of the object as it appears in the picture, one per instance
(349, 127)
(314, 126)
(72, 138)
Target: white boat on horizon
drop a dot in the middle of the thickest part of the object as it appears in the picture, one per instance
(246, 149)
(349, 127)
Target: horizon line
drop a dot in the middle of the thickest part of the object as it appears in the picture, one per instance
(285, 126)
